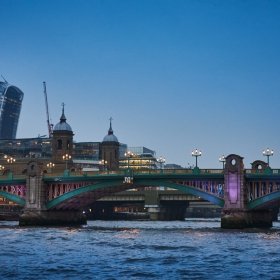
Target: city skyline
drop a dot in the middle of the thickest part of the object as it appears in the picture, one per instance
(174, 76)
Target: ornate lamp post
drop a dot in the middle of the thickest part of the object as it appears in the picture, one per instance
(103, 163)
(66, 158)
(268, 153)
(161, 160)
(128, 155)
(196, 154)
(11, 161)
(222, 159)
(50, 165)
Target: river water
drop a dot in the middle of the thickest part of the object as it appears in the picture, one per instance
(194, 249)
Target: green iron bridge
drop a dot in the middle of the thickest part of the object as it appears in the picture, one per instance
(246, 195)
(75, 190)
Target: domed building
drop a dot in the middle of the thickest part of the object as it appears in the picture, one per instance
(110, 149)
(62, 142)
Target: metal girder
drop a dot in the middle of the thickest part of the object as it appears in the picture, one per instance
(13, 197)
(190, 190)
(266, 199)
(73, 195)
(12, 182)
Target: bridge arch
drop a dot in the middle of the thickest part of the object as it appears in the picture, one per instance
(137, 183)
(13, 197)
(265, 201)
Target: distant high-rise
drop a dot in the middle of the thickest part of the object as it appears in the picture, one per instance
(10, 105)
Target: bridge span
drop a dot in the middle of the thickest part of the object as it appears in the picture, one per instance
(246, 195)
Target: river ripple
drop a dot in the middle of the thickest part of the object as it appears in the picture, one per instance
(194, 249)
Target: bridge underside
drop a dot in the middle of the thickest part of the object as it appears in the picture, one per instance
(79, 198)
(79, 201)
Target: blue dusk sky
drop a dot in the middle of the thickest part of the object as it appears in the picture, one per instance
(173, 75)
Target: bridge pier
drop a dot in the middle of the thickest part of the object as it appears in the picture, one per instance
(274, 214)
(51, 218)
(239, 219)
(167, 212)
(35, 212)
(46, 218)
(235, 213)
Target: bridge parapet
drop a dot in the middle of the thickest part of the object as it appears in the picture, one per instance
(141, 172)
(267, 173)
(15, 176)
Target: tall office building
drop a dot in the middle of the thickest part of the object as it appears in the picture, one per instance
(10, 105)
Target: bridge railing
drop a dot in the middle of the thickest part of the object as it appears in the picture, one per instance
(84, 173)
(266, 171)
(186, 171)
(178, 171)
(15, 176)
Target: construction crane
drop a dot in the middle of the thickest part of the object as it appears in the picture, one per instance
(47, 111)
(4, 80)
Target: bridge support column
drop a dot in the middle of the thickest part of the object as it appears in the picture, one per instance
(46, 218)
(246, 219)
(167, 213)
(274, 214)
(35, 212)
(156, 213)
(235, 213)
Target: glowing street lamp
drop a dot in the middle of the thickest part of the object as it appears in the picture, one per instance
(161, 160)
(268, 153)
(103, 163)
(196, 154)
(50, 165)
(11, 161)
(128, 155)
(222, 159)
(66, 158)
(1, 168)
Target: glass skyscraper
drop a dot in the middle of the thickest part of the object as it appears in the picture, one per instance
(10, 105)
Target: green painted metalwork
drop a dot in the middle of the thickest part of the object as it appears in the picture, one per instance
(17, 180)
(262, 200)
(155, 177)
(184, 188)
(163, 174)
(251, 173)
(13, 197)
(76, 192)
(190, 190)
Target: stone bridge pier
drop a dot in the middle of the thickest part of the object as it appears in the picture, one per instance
(168, 212)
(35, 212)
(165, 210)
(235, 213)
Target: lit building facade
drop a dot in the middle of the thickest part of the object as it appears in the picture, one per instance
(87, 150)
(27, 147)
(142, 158)
(10, 106)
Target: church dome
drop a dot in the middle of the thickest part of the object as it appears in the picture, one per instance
(62, 125)
(110, 137)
